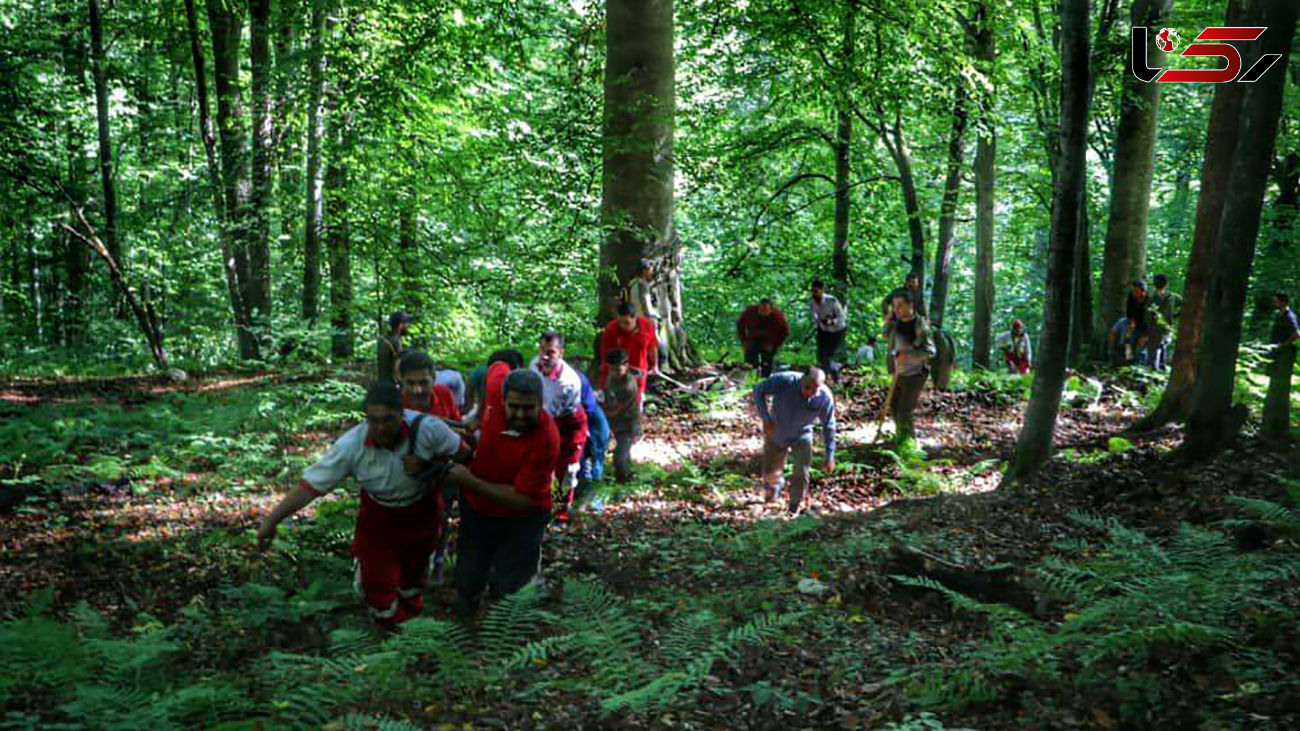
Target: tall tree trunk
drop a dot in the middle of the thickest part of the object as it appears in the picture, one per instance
(259, 244)
(315, 199)
(985, 156)
(243, 334)
(226, 27)
(1081, 302)
(100, 75)
(637, 154)
(1220, 147)
(1213, 422)
(339, 245)
(843, 146)
(1124, 257)
(76, 256)
(287, 133)
(1033, 446)
(948, 209)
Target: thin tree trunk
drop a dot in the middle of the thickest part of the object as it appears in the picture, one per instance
(243, 334)
(339, 244)
(637, 154)
(1124, 257)
(1214, 422)
(315, 199)
(100, 75)
(1033, 446)
(948, 209)
(843, 162)
(259, 244)
(1081, 318)
(76, 256)
(1220, 146)
(985, 157)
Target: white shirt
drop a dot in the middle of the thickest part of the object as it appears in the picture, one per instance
(829, 314)
(380, 471)
(641, 299)
(1019, 346)
(561, 396)
(451, 378)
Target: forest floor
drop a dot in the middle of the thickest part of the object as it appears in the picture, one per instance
(1114, 591)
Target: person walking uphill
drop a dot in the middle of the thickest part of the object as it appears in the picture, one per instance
(1285, 335)
(634, 335)
(506, 489)
(397, 523)
(798, 400)
(390, 347)
(562, 399)
(831, 322)
(762, 330)
(910, 345)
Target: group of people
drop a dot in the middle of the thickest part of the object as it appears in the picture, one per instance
(1144, 335)
(522, 445)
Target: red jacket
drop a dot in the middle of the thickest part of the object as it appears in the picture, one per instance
(767, 332)
(641, 345)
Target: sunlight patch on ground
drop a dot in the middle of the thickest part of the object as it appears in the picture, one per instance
(670, 454)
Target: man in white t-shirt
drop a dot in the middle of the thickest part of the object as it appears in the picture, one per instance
(398, 522)
(562, 399)
(831, 322)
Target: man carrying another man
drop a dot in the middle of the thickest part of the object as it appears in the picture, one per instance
(762, 329)
(398, 522)
(797, 401)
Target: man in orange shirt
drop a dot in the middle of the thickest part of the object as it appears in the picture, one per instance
(636, 336)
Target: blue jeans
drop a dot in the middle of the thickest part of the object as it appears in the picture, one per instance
(593, 455)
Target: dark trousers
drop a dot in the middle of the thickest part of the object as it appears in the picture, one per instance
(828, 342)
(1277, 402)
(624, 440)
(505, 552)
(760, 357)
(907, 394)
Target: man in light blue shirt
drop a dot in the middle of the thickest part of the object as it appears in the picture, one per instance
(788, 404)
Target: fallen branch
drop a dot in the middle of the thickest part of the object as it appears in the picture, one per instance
(145, 315)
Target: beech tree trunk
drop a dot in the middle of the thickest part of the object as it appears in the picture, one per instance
(76, 255)
(1213, 423)
(1033, 446)
(1124, 258)
(243, 333)
(100, 76)
(259, 244)
(315, 208)
(637, 174)
(1220, 146)
(226, 27)
(985, 155)
(948, 210)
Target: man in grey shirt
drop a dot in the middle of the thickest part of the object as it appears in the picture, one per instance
(911, 347)
(797, 401)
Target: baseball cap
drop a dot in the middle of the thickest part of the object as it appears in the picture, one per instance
(400, 316)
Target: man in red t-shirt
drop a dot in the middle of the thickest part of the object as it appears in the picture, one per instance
(420, 393)
(636, 336)
(507, 489)
(762, 329)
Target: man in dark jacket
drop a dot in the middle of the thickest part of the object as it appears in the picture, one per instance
(762, 330)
